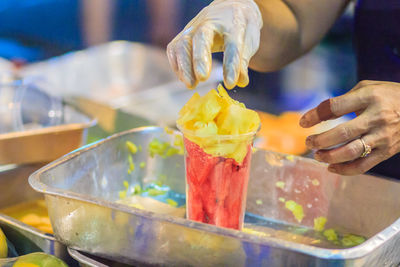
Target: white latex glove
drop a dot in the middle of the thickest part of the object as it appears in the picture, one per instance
(229, 26)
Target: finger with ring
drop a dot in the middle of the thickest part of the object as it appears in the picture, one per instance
(367, 148)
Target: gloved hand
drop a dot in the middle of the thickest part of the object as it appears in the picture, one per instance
(229, 26)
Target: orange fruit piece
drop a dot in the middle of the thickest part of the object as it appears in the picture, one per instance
(283, 133)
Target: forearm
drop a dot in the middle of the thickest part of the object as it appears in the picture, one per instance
(291, 28)
(97, 21)
(164, 19)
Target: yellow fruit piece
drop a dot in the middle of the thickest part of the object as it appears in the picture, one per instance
(296, 209)
(25, 264)
(45, 228)
(315, 182)
(155, 192)
(31, 219)
(171, 151)
(237, 120)
(33, 213)
(142, 164)
(290, 158)
(351, 240)
(203, 128)
(209, 107)
(190, 104)
(131, 164)
(137, 189)
(131, 147)
(39, 259)
(178, 142)
(168, 130)
(164, 149)
(210, 118)
(3, 245)
(280, 184)
(330, 235)
(319, 223)
(172, 202)
(122, 194)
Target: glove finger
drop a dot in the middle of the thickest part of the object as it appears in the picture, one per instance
(172, 57)
(202, 59)
(250, 47)
(233, 45)
(183, 53)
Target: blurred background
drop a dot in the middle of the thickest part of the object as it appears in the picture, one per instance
(32, 31)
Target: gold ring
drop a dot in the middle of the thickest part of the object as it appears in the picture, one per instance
(367, 149)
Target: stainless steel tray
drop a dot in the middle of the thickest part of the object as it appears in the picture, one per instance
(45, 144)
(106, 71)
(92, 261)
(14, 189)
(81, 189)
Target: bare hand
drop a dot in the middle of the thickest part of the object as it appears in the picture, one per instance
(377, 105)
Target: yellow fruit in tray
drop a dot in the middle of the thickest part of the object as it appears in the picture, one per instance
(210, 117)
(3, 245)
(319, 223)
(33, 213)
(39, 260)
(296, 209)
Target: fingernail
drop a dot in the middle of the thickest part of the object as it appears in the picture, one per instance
(332, 169)
(303, 122)
(317, 156)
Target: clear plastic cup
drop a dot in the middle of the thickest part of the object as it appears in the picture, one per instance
(216, 183)
(25, 105)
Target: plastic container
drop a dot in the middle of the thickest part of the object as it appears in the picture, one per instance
(25, 105)
(217, 175)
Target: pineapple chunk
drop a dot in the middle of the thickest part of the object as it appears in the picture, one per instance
(207, 129)
(214, 115)
(237, 120)
(319, 223)
(190, 104)
(209, 107)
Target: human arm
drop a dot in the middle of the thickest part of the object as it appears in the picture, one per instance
(164, 20)
(291, 28)
(287, 29)
(377, 105)
(97, 21)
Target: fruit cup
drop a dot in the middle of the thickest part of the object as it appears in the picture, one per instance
(217, 174)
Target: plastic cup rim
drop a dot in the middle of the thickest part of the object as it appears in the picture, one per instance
(219, 136)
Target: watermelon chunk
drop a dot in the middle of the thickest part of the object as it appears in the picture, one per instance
(217, 187)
